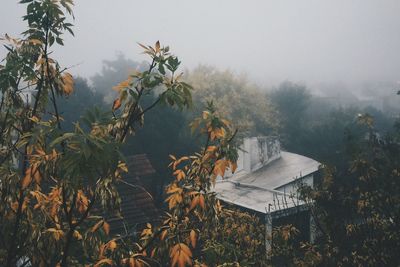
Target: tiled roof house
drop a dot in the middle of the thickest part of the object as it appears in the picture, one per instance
(137, 204)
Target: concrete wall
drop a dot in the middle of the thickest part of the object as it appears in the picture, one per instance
(257, 152)
(291, 188)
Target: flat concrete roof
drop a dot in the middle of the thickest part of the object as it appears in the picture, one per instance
(257, 190)
(281, 171)
(254, 198)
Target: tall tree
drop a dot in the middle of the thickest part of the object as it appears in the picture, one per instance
(236, 98)
(291, 101)
(356, 208)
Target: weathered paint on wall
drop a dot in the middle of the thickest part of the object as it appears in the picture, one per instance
(259, 151)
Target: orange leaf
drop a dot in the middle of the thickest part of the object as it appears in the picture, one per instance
(106, 227)
(181, 255)
(122, 85)
(31, 171)
(220, 167)
(211, 149)
(194, 203)
(96, 226)
(153, 252)
(193, 238)
(104, 261)
(163, 234)
(179, 174)
(201, 201)
(116, 104)
(112, 245)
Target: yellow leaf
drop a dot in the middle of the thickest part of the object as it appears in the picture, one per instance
(146, 232)
(179, 174)
(112, 245)
(220, 132)
(193, 238)
(35, 41)
(220, 167)
(56, 233)
(77, 235)
(122, 166)
(34, 119)
(96, 226)
(174, 189)
(68, 84)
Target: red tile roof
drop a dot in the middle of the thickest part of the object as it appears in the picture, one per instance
(139, 165)
(137, 205)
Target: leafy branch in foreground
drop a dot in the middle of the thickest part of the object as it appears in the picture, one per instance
(56, 186)
(193, 209)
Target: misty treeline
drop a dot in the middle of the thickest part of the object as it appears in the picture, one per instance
(307, 124)
(65, 141)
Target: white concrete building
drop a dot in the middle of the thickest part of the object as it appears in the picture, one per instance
(266, 182)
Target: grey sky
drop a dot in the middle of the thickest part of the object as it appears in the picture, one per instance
(307, 40)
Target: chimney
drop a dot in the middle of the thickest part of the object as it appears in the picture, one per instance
(258, 152)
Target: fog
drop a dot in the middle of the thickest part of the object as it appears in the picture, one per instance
(308, 41)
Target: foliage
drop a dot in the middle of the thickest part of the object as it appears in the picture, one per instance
(55, 184)
(236, 98)
(166, 130)
(193, 210)
(73, 107)
(356, 210)
(112, 72)
(291, 101)
(239, 241)
(317, 127)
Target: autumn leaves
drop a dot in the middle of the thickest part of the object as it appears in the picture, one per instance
(192, 205)
(51, 178)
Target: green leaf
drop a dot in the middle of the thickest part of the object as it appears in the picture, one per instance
(62, 138)
(59, 41)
